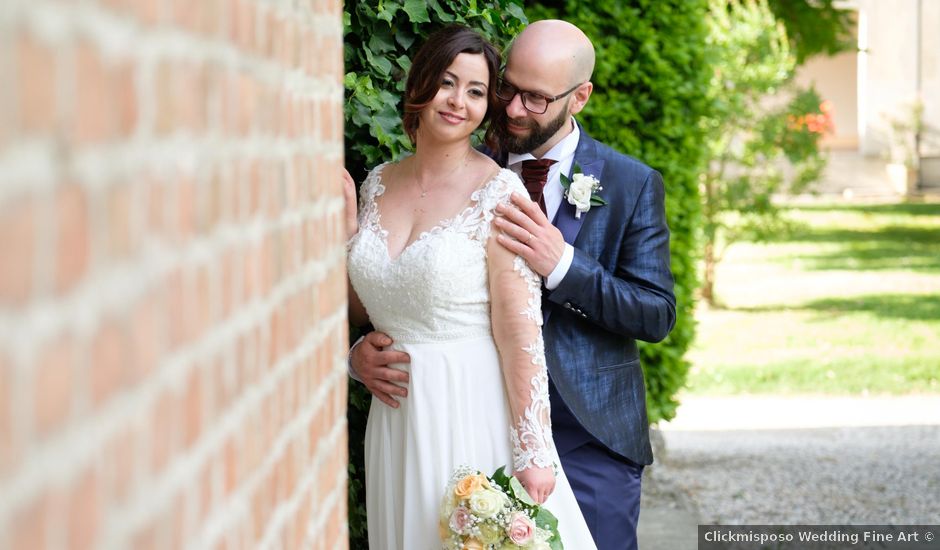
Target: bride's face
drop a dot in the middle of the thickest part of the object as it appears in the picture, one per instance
(461, 101)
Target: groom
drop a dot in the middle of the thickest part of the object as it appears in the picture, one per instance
(606, 272)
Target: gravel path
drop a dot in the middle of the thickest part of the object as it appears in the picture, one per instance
(803, 474)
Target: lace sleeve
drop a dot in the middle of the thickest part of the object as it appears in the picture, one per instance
(515, 297)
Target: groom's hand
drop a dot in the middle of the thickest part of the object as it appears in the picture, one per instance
(371, 364)
(526, 232)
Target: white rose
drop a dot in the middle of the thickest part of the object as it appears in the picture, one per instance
(580, 191)
(486, 503)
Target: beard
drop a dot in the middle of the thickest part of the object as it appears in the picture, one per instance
(536, 137)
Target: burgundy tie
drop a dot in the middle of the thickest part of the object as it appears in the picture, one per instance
(534, 175)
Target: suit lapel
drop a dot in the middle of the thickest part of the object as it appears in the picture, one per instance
(585, 156)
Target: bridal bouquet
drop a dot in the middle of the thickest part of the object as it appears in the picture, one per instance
(494, 513)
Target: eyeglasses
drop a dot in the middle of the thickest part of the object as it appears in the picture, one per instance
(533, 102)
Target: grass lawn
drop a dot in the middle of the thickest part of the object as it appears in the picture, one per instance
(849, 303)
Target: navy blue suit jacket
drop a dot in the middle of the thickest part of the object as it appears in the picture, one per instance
(619, 289)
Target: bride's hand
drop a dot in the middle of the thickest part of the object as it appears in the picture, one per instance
(539, 482)
(349, 194)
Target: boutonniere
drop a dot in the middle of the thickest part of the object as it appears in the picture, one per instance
(580, 190)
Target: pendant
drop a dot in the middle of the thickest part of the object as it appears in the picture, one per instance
(424, 194)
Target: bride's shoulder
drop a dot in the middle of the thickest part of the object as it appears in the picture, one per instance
(378, 176)
(504, 182)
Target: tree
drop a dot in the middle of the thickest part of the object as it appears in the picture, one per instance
(815, 27)
(763, 132)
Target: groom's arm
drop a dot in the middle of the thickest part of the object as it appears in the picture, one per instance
(637, 299)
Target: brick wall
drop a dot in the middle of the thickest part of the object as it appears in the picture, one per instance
(172, 276)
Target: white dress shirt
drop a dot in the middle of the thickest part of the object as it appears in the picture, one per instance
(553, 193)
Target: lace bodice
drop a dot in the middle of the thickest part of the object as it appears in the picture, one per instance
(454, 283)
(436, 289)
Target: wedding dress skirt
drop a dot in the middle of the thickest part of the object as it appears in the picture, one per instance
(433, 301)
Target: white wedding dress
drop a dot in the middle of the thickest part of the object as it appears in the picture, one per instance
(468, 404)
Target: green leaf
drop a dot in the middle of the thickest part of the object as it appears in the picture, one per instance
(404, 38)
(545, 519)
(515, 10)
(381, 42)
(515, 486)
(379, 62)
(417, 11)
(404, 62)
(501, 478)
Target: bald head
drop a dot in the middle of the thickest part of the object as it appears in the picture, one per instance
(555, 44)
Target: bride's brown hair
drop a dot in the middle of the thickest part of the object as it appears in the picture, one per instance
(429, 64)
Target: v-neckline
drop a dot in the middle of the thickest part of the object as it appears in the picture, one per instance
(439, 226)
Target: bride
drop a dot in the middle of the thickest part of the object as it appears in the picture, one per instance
(425, 269)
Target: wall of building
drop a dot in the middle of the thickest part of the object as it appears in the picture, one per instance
(836, 80)
(172, 288)
(894, 34)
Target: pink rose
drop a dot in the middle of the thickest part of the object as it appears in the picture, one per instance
(460, 519)
(521, 529)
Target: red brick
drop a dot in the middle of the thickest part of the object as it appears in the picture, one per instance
(202, 307)
(29, 525)
(244, 27)
(153, 194)
(18, 238)
(165, 117)
(185, 207)
(192, 402)
(93, 110)
(121, 235)
(227, 296)
(232, 473)
(110, 360)
(84, 517)
(36, 65)
(176, 309)
(147, 11)
(121, 462)
(73, 236)
(54, 384)
(146, 325)
(162, 426)
(125, 100)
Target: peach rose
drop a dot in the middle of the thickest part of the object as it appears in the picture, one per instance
(466, 486)
(472, 544)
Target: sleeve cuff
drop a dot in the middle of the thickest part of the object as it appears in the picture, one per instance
(554, 278)
(352, 373)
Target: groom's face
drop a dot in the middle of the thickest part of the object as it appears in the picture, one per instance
(521, 130)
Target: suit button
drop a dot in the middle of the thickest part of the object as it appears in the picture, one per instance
(584, 315)
(567, 305)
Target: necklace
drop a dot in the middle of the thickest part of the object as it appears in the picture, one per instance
(414, 172)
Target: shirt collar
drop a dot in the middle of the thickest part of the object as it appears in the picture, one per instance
(563, 149)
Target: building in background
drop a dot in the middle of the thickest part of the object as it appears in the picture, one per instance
(876, 91)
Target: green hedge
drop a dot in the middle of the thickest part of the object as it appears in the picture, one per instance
(379, 38)
(650, 88)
